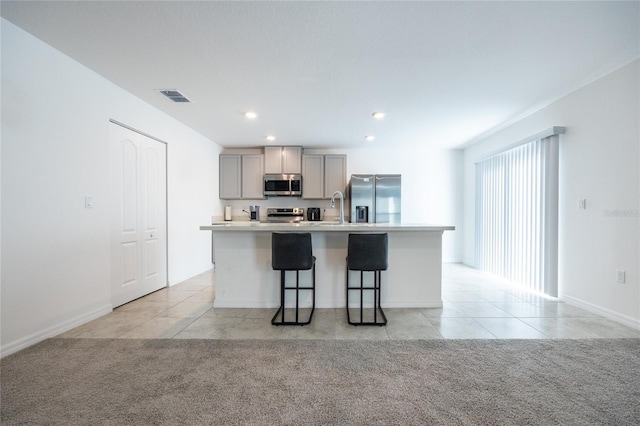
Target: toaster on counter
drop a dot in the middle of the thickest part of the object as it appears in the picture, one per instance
(314, 214)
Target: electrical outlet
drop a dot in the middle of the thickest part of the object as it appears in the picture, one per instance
(620, 276)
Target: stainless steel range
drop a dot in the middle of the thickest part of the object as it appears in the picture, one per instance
(285, 214)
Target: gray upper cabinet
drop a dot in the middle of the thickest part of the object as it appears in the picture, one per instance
(322, 175)
(272, 159)
(282, 159)
(313, 176)
(230, 176)
(241, 176)
(253, 176)
(335, 174)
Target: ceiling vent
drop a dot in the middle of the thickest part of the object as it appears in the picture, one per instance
(174, 95)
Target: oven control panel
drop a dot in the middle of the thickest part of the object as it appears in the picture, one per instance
(285, 214)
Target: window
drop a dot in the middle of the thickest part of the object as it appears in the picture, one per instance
(517, 213)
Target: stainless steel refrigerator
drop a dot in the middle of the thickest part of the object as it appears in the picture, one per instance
(375, 198)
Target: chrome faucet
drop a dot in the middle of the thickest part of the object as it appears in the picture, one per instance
(333, 204)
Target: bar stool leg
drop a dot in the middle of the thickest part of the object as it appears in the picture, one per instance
(361, 297)
(313, 285)
(282, 294)
(297, 293)
(384, 317)
(297, 288)
(347, 293)
(375, 296)
(377, 299)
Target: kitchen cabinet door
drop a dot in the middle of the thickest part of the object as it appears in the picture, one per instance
(335, 174)
(230, 176)
(273, 159)
(291, 160)
(253, 176)
(313, 176)
(282, 159)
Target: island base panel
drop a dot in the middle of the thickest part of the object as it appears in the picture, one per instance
(244, 278)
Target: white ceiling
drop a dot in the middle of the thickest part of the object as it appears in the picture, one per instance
(444, 72)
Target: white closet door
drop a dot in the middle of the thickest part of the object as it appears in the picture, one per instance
(139, 219)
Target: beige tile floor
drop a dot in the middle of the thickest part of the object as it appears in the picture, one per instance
(476, 306)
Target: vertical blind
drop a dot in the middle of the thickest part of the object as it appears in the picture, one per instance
(517, 215)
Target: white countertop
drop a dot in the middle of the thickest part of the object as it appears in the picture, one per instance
(248, 226)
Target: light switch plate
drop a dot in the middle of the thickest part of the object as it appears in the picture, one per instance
(620, 276)
(582, 204)
(88, 202)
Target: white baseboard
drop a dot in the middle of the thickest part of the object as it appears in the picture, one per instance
(240, 304)
(275, 305)
(469, 262)
(392, 305)
(54, 330)
(598, 310)
(434, 304)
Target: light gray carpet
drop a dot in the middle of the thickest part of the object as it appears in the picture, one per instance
(290, 382)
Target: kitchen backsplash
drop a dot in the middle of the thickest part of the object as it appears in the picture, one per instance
(237, 207)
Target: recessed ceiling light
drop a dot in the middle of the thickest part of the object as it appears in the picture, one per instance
(378, 115)
(251, 115)
(270, 138)
(369, 138)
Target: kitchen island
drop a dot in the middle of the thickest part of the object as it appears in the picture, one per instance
(245, 279)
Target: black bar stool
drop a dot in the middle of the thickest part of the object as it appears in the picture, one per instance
(292, 252)
(367, 253)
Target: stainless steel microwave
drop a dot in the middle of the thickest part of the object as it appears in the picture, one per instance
(283, 185)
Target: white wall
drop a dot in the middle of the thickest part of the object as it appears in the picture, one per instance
(55, 136)
(599, 161)
(431, 184)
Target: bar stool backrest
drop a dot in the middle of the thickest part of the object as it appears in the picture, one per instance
(367, 252)
(291, 251)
